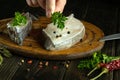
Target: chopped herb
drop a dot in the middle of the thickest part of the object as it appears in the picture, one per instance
(58, 19)
(6, 53)
(90, 63)
(19, 19)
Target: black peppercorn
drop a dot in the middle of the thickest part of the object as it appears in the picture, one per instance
(57, 36)
(68, 32)
(60, 35)
(54, 32)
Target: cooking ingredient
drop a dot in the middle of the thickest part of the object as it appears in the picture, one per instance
(29, 61)
(100, 60)
(46, 63)
(106, 67)
(19, 19)
(22, 60)
(97, 57)
(99, 65)
(106, 59)
(58, 19)
(19, 27)
(63, 38)
(4, 52)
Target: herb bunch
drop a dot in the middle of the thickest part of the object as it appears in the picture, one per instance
(100, 60)
(97, 58)
(90, 63)
(19, 19)
(58, 19)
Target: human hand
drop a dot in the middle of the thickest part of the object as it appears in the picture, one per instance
(49, 5)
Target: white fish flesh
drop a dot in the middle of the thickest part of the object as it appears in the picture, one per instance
(57, 39)
(18, 33)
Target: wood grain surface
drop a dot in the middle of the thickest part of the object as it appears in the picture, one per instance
(34, 42)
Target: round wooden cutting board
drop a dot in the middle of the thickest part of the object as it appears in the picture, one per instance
(33, 44)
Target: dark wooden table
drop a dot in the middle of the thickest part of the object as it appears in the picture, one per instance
(102, 13)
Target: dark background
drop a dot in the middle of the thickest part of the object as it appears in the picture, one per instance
(8, 7)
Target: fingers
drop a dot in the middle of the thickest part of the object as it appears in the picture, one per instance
(32, 3)
(54, 6)
(50, 7)
(42, 3)
(60, 4)
(29, 2)
(36, 3)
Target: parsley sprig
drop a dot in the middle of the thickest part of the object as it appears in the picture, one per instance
(98, 57)
(19, 19)
(91, 62)
(58, 19)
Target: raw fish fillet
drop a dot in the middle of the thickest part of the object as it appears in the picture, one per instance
(57, 39)
(18, 33)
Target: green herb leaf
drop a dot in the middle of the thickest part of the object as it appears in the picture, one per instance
(92, 62)
(97, 58)
(19, 19)
(6, 53)
(58, 19)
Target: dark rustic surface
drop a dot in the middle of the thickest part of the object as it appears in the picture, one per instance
(103, 13)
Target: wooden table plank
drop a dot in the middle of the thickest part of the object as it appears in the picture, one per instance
(117, 49)
(40, 69)
(9, 68)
